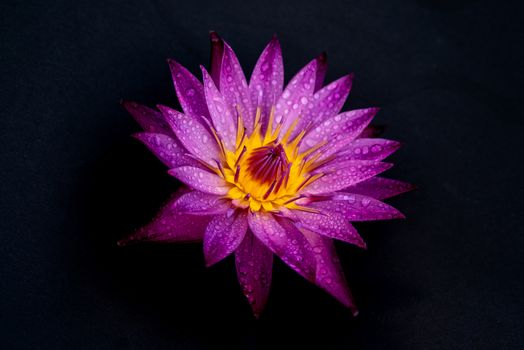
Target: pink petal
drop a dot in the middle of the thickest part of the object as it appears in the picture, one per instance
(341, 175)
(200, 179)
(217, 50)
(296, 96)
(380, 188)
(326, 103)
(267, 79)
(321, 71)
(189, 91)
(285, 240)
(200, 203)
(193, 135)
(339, 130)
(165, 148)
(368, 149)
(171, 226)
(234, 88)
(356, 207)
(329, 224)
(149, 119)
(254, 263)
(221, 113)
(330, 276)
(223, 236)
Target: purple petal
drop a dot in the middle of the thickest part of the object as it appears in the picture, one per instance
(171, 226)
(223, 236)
(234, 88)
(200, 179)
(189, 91)
(221, 113)
(321, 71)
(326, 103)
(345, 174)
(380, 188)
(149, 119)
(296, 95)
(193, 135)
(330, 276)
(339, 130)
(267, 79)
(200, 203)
(329, 224)
(368, 149)
(165, 148)
(356, 207)
(217, 50)
(254, 263)
(285, 240)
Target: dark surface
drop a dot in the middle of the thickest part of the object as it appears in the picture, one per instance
(448, 75)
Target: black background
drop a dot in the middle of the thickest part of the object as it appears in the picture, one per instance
(448, 75)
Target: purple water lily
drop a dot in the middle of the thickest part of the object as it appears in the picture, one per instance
(269, 170)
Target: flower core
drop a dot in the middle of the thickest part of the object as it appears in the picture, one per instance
(266, 169)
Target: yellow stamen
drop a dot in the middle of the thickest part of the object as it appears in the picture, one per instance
(267, 172)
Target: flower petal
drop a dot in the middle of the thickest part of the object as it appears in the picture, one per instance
(326, 103)
(339, 130)
(221, 113)
(200, 179)
(356, 207)
(285, 240)
(368, 149)
(234, 88)
(330, 276)
(380, 187)
(189, 91)
(254, 263)
(200, 203)
(217, 50)
(193, 135)
(341, 175)
(165, 148)
(329, 224)
(223, 236)
(149, 119)
(267, 80)
(296, 96)
(321, 71)
(170, 225)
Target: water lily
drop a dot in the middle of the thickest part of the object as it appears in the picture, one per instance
(267, 170)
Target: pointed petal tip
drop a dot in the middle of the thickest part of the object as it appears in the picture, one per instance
(214, 37)
(127, 104)
(174, 65)
(127, 241)
(166, 109)
(322, 58)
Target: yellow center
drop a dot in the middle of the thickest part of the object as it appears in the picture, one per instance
(266, 171)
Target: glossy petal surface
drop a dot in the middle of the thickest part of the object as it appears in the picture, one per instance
(223, 235)
(285, 241)
(254, 264)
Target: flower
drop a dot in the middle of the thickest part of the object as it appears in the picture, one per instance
(269, 171)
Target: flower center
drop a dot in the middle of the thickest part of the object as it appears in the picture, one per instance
(268, 165)
(266, 171)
